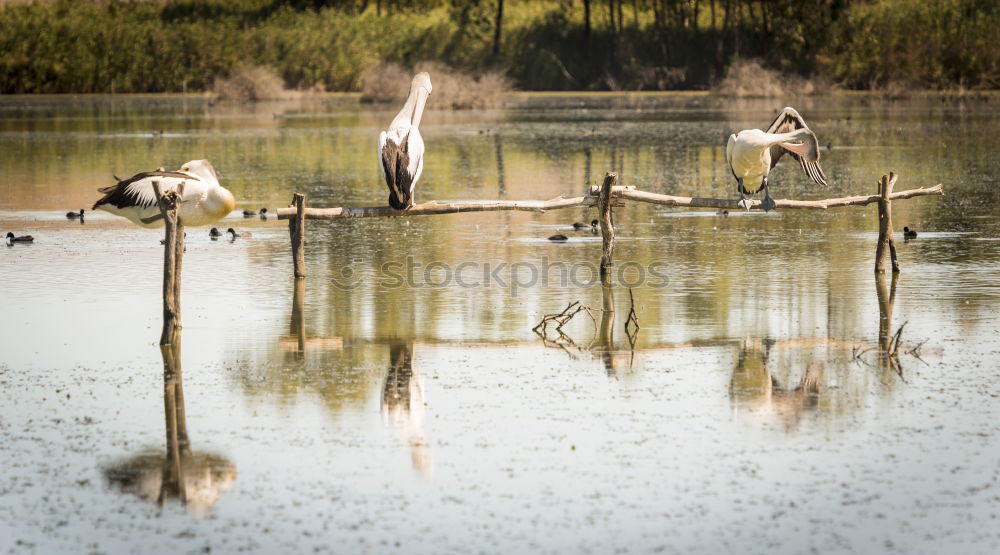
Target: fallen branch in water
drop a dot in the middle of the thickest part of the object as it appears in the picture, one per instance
(562, 318)
(632, 321)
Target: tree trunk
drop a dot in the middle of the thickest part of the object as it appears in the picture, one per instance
(498, 27)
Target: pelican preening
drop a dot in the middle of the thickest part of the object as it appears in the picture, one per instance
(401, 148)
(752, 153)
(204, 201)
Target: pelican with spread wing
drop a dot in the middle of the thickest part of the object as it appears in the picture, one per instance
(401, 148)
(204, 201)
(752, 153)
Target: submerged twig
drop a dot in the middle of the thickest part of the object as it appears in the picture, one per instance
(560, 319)
(631, 323)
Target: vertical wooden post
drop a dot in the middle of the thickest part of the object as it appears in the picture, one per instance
(297, 229)
(167, 203)
(607, 223)
(886, 246)
(178, 262)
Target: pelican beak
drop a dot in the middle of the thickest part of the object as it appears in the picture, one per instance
(418, 110)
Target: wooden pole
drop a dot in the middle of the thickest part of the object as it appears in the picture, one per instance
(178, 262)
(296, 228)
(587, 201)
(886, 247)
(607, 224)
(167, 203)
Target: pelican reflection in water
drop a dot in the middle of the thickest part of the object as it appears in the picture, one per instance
(755, 389)
(196, 479)
(403, 405)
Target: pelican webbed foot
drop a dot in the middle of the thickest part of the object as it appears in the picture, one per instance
(744, 202)
(768, 203)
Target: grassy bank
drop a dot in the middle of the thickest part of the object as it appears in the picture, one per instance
(115, 47)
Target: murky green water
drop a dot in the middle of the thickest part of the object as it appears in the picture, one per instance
(422, 414)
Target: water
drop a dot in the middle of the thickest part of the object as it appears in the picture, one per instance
(424, 415)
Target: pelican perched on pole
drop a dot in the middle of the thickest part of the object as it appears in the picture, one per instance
(401, 148)
(752, 153)
(204, 201)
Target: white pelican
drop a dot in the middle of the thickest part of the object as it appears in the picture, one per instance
(204, 202)
(752, 153)
(401, 148)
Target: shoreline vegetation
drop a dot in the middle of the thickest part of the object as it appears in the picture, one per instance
(246, 50)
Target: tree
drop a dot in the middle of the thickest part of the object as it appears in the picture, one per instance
(498, 26)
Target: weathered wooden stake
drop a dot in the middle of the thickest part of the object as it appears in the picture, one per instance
(168, 203)
(607, 223)
(297, 229)
(178, 263)
(886, 246)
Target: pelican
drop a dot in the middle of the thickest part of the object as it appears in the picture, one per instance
(401, 148)
(204, 202)
(752, 153)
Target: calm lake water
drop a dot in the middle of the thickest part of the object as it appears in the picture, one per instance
(423, 415)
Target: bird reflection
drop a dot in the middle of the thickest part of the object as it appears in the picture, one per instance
(403, 405)
(195, 479)
(756, 390)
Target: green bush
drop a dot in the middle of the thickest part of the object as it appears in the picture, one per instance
(112, 46)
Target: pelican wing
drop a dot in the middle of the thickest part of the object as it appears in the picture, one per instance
(395, 162)
(806, 153)
(138, 189)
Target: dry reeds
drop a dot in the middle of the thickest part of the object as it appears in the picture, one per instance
(252, 84)
(749, 78)
(453, 89)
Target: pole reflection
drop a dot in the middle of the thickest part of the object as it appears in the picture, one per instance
(195, 479)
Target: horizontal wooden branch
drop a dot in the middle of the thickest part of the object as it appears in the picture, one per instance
(621, 193)
(435, 207)
(688, 202)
